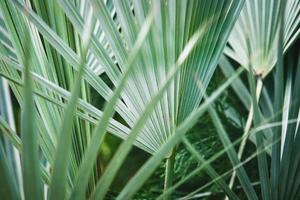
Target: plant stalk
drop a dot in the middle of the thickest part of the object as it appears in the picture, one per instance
(246, 130)
(169, 173)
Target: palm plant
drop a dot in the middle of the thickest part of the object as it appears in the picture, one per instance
(53, 47)
(253, 42)
(159, 57)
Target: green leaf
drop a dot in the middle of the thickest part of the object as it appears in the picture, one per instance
(278, 98)
(30, 159)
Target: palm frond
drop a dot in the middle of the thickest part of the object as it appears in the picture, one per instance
(254, 36)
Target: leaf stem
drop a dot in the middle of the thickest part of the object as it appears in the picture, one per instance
(169, 173)
(259, 87)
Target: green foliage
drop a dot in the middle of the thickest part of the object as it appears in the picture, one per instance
(109, 99)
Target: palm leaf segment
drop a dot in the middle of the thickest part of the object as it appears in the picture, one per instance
(255, 34)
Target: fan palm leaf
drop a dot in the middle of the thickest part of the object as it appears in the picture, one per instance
(253, 38)
(183, 96)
